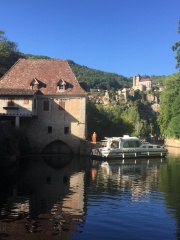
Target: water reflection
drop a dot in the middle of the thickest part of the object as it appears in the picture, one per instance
(175, 152)
(61, 197)
(57, 161)
(46, 197)
(138, 176)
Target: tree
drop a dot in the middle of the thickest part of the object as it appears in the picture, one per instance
(173, 129)
(169, 103)
(132, 115)
(176, 47)
(9, 53)
(106, 121)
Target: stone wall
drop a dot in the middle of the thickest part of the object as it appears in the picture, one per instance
(57, 119)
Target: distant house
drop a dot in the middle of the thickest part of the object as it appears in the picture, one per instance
(44, 98)
(125, 92)
(141, 84)
(94, 90)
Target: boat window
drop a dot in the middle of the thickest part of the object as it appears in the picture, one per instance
(132, 143)
(114, 144)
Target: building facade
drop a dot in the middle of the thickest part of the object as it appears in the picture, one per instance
(44, 99)
(141, 84)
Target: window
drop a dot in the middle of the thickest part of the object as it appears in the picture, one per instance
(34, 83)
(61, 86)
(10, 102)
(46, 105)
(49, 129)
(131, 144)
(26, 101)
(66, 130)
(115, 145)
(61, 105)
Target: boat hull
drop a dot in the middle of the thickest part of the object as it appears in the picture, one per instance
(96, 154)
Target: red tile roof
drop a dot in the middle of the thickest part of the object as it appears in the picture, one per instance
(17, 92)
(48, 72)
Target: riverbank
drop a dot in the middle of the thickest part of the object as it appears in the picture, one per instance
(170, 142)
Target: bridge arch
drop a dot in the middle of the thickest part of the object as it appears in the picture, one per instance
(57, 147)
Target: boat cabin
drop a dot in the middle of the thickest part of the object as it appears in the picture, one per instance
(123, 142)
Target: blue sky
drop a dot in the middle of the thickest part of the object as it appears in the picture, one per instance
(126, 37)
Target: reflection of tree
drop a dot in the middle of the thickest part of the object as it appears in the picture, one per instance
(169, 184)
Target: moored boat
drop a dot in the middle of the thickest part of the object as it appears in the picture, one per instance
(127, 147)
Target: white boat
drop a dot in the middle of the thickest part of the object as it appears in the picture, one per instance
(127, 147)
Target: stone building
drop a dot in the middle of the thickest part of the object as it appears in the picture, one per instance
(106, 98)
(44, 99)
(125, 93)
(141, 84)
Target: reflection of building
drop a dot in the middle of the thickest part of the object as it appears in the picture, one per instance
(74, 202)
(53, 207)
(44, 98)
(141, 84)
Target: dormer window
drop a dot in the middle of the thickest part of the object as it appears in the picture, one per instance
(61, 86)
(34, 84)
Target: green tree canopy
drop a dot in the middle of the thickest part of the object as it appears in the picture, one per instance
(91, 78)
(9, 53)
(173, 129)
(176, 47)
(106, 121)
(169, 104)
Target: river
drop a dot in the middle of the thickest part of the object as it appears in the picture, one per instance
(76, 198)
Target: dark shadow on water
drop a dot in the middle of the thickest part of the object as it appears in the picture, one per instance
(57, 161)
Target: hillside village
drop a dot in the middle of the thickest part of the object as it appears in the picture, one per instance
(141, 84)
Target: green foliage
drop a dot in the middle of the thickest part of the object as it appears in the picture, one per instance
(91, 78)
(131, 115)
(176, 47)
(158, 80)
(8, 54)
(30, 56)
(106, 121)
(141, 116)
(173, 129)
(169, 102)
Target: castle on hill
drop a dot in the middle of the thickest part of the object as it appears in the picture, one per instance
(141, 84)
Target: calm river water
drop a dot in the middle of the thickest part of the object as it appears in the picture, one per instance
(62, 198)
